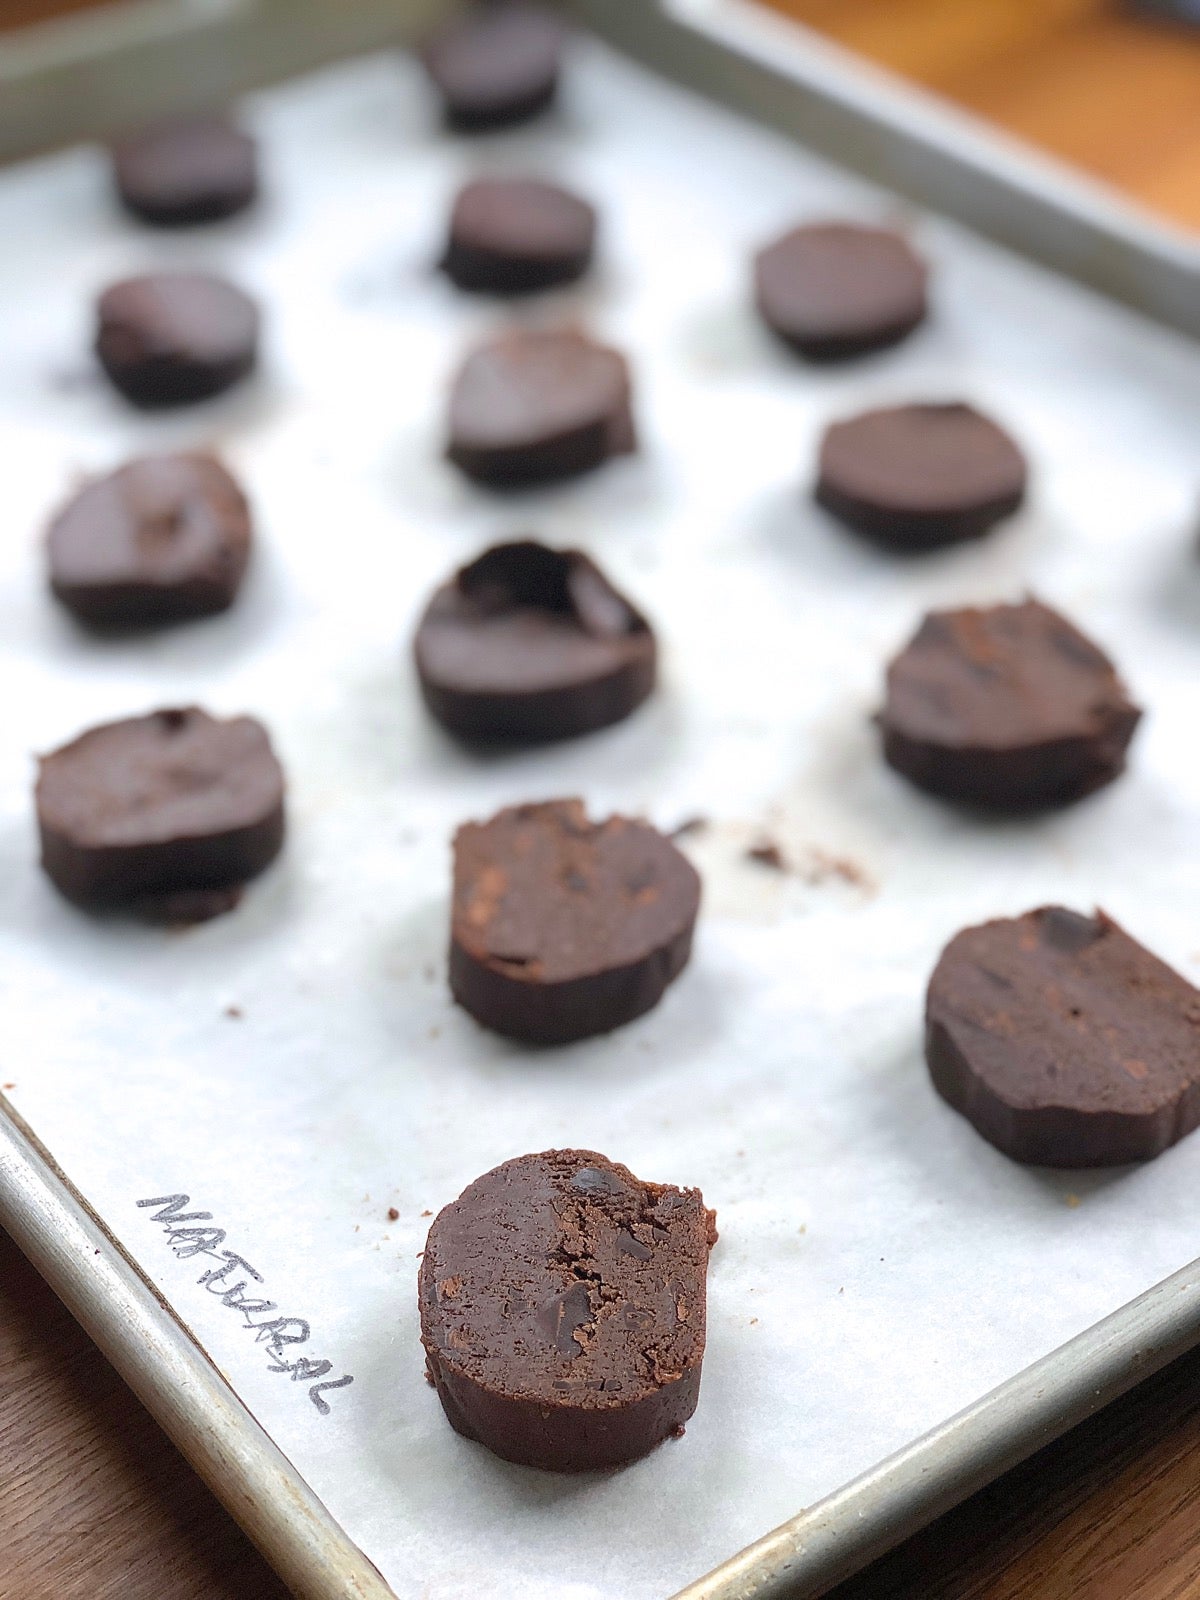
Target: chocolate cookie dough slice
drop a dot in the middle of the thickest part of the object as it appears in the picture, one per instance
(161, 540)
(563, 1307)
(169, 814)
(562, 927)
(535, 405)
(1008, 707)
(836, 289)
(194, 170)
(518, 235)
(1063, 1041)
(529, 643)
(497, 66)
(917, 476)
(174, 338)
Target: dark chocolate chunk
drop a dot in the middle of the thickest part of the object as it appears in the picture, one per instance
(835, 289)
(529, 643)
(531, 406)
(176, 174)
(564, 927)
(1009, 707)
(161, 539)
(768, 854)
(917, 476)
(563, 1323)
(517, 235)
(1063, 1041)
(142, 812)
(171, 338)
(497, 66)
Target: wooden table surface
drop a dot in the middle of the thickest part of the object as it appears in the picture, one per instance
(95, 1504)
(1099, 84)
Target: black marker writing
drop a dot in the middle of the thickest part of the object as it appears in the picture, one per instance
(234, 1282)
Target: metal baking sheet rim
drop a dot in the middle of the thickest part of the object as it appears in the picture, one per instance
(907, 141)
(156, 1354)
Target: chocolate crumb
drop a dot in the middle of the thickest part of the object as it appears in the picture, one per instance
(689, 825)
(767, 854)
(235, 1012)
(825, 866)
(427, 1213)
(393, 1214)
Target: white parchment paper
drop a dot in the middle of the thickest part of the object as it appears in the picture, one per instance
(879, 1265)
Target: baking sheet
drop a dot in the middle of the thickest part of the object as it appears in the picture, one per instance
(296, 1069)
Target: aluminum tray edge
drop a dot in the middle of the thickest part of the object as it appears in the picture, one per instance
(825, 1544)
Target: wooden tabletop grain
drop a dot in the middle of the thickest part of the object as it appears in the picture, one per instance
(96, 1505)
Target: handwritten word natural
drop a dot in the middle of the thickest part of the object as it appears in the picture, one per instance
(187, 1238)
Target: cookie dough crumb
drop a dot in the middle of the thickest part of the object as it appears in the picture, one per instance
(689, 825)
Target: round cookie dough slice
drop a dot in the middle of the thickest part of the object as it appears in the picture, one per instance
(914, 477)
(536, 405)
(496, 66)
(169, 814)
(178, 174)
(173, 338)
(1064, 1042)
(161, 540)
(563, 1307)
(517, 235)
(1008, 707)
(562, 927)
(837, 289)
(529, 643)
